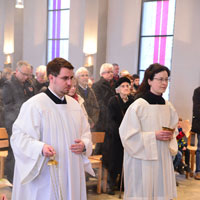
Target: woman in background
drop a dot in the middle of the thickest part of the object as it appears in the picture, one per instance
(112, 148)
(147, 134)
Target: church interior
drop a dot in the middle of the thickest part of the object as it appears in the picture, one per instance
(107, 31)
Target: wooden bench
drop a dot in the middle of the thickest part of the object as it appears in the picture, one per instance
(4, 143)
(98, 137)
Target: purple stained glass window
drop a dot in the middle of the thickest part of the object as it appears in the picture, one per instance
(58, 29)
(157, 29)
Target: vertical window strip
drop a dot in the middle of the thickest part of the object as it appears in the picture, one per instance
(58, 29)
(164, 32)
(157, 31)
(54, 31)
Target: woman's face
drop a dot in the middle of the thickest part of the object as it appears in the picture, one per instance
(124, 88)
(72, 90)
(159, 83)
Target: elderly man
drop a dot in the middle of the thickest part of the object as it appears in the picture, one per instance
(51, 139)
(15, 92)
(90, 102)
(40, 82)
(104, 89)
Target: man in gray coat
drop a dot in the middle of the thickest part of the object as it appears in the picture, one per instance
(90, 102)
(15, 92)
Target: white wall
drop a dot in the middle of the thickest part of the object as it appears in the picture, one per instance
(186, 54)
(123, 33)
(76, 35)
(34, 43)
(2, 15)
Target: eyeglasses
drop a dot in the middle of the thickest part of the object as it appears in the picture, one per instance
(162, 79)
(24, 74)
(108, 72)
(65, 78)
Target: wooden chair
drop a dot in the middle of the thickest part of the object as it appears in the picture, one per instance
(98, 137)
(192, 150)
(3, 153)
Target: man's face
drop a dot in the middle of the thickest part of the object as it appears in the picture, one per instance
(23, 73)
(83, 79)
(61, 83)
(137, 81)
(41, 77)
(108, 74)
(116, 70)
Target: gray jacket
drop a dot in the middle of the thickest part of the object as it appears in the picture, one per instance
(14, 94)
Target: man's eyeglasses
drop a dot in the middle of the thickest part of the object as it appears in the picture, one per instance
(108, 72)
(24, 74)
(162, 79)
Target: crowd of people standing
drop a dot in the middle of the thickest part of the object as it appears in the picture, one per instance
(134, 118)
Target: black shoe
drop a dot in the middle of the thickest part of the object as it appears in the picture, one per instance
(180, 171)
(111, 191)
(187, 169)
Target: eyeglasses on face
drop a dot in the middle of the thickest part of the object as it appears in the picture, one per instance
(108, 72)
(162, 79)
(24, 74)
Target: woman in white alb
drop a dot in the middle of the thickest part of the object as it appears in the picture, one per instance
(148, 149)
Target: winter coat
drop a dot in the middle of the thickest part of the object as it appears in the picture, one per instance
(90, 103)
(14, 94)
(196, 111)
(103, 92)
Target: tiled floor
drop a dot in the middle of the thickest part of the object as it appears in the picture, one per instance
(188, 189)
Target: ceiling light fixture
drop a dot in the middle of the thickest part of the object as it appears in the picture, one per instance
(19, 4)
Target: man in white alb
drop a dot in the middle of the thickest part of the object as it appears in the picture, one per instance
(51, 127)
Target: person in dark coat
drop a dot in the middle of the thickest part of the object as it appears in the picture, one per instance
(15, 92)
(112, 147)
(196, 127)
(40, 82)
(90, 102)
(6, 75)
(104, 90)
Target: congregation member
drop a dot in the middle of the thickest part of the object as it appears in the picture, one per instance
(73, 93)
(104, 89)
(136, 82)
(112, 147)
(51, 139)
(115, 72)
(14, 93)
(124, 73)
(6, 75)
(90, 102)
(40, 82)
(149, 141)
(196, 127)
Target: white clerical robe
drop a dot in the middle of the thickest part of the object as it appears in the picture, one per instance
(40, 122)
(148, 168)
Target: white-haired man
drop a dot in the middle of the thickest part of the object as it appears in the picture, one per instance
(40, 82)
(104, 89)
(15, 92)
(90, 102)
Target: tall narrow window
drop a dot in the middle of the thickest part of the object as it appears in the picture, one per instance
(58, 29)
(157, 29)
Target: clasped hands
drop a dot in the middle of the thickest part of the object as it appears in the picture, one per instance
(164, 135)
(77, 148)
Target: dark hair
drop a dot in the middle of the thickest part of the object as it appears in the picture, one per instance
(115, 64)
(54, 66)
(149, 74)
(135, 76)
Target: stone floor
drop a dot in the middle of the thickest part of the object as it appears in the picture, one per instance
(188, 189)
